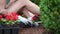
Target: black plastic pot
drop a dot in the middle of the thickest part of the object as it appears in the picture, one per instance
(9, 30)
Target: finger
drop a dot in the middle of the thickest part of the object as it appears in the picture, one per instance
(27, 13)
(15, 7)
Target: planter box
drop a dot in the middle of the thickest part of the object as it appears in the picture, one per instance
(9, 30)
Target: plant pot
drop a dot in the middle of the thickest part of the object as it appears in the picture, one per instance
(9, 30)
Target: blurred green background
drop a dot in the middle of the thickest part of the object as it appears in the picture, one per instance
(36, 2)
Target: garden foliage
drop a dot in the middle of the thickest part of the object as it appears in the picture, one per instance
(36, 1)
(50, 15)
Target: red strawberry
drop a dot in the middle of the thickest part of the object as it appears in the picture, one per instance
(8, 17)
(0, 17)
(14, 16)
(36, 17)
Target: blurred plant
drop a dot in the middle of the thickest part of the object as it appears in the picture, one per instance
(36, 1)
(50, 15)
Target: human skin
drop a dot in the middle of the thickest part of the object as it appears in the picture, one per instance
(21, 3)
(29, 9)
(32, 7)
(16, 6)
(10, 3)
(2, 4)
(27, 13)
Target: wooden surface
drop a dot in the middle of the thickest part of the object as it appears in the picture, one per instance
(39, 30)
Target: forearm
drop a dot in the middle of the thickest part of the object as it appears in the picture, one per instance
(32, 7)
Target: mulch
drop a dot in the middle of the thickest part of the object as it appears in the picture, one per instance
(32, 30)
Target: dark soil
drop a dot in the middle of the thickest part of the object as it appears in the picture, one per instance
(39, 30)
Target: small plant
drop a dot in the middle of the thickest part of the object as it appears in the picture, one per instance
(50, 15)
(15, 19)
(9, 19)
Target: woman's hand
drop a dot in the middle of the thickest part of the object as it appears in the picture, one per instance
(10, 3)
(2, 4)
(3, 11)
